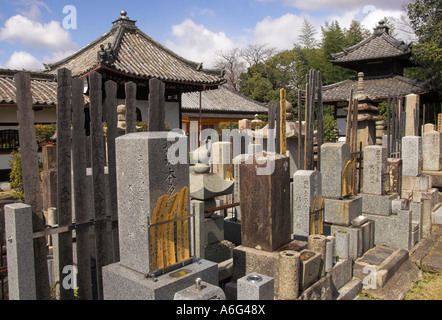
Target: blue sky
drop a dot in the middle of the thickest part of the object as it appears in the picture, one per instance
(33, 32)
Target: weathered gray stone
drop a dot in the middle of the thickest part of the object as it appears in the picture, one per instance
(255, 286)
(145, 173)
(350, 291)
(341, 273)
(20, 248)
(307, 186)
(320, 290)
(342, 212)
(334, 157)
(357, 222)
(122, 283)
(375, 168)
(342, 244)
(431, 150)
(393, 230)
(411, 156)
(310, 270)
(205, 186)
(377, 204)
(355, 239)
(329, 253)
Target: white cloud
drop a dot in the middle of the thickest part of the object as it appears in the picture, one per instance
(30, 33)
(23, 60)
(369, 16)
(336, 4)
(281, 32)
(196, 43)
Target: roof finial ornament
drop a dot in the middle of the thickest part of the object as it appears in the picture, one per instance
(123, 14)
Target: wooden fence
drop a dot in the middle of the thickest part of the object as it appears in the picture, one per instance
(90, 224)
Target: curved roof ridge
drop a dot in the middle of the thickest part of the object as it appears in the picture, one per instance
(52, 66)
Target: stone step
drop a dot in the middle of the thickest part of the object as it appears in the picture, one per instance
(379, 264)
(350, 290)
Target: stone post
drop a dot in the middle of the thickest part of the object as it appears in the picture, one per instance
(19, 245)
(375, 168)
(307, 186)
(334, 157)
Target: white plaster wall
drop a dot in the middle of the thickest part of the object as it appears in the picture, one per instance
(9, 115)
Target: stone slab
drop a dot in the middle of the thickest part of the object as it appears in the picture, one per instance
(394, 230)
(122, 283)
(341, 273)
(320, 290)
(342, 212)
(431, 150)
(350, 290)
(377, 204)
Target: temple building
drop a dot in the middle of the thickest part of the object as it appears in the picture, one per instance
(380, 61)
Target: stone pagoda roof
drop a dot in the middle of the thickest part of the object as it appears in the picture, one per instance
(376, 88)
(379, 46)
(136, 55)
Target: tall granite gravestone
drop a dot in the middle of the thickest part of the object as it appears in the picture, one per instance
(337, 210)
(265, 198)
(411, 156)
(431, 150)
(307, 187)
(334, 158)
(152, 189)
(374, 197)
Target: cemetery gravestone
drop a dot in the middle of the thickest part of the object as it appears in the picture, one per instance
(265, 198)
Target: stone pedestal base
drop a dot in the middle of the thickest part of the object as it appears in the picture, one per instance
(122, 283)
(342, 212)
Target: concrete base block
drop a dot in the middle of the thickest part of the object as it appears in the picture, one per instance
(342, 212)
(320, 290)
(249, 260)
(341, 274)
(394, 230)
(122, 283)
(350, 290)
(377, 204)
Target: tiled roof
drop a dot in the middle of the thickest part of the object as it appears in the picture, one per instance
(378, 46)
(43, 86)
(137, 55)
(221, 100)
(376, 88)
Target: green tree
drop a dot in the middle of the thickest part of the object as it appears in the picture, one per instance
(426, 20)
(356, 33)
(307, 37)
(333, 41)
